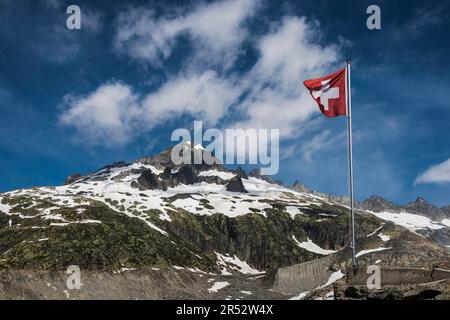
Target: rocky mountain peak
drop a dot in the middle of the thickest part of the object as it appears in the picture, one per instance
(378, 204)
(420, 200)
(420, 205)
(197, 152)
(298, 186)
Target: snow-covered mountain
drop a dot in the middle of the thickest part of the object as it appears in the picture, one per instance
(203, 219)
(417, 216)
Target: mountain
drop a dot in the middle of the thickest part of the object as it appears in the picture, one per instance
(379, 204)
(418, 216)
(421, 206)
(202, 226)
(298, 186)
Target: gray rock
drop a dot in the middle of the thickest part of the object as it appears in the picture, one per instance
(235, 185)
(148, 180)
(379, 204)
(72, 178)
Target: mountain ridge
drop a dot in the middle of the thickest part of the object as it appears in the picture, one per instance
(201, 218)
(376, 203)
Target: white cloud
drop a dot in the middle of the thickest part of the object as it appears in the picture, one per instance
(113, 113)
(106, 116)
(215, 29)
(205, 96)
(288, 55)
(268, 96)
(435, 174)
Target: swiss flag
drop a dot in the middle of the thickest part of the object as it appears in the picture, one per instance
(330, 93)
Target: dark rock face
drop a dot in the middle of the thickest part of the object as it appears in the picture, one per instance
(423, 207)
(378, 204)
(148, 180)
(118, 164)
(299, 187)
(163, 160)
(167, 174)
(446, 210)
(235, 185)
(72, 178)
(185, 175)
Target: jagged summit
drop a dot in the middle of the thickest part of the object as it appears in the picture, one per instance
(197, 154)
(299, 187)
(378, 204)
(420, 205)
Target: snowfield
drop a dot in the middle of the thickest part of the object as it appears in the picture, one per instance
(412, 222)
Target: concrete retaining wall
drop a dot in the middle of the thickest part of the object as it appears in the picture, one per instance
(308, 275)
(397, 276)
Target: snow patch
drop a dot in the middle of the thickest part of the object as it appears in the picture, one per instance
(376, 230)
(312, 247)
(218, 286)
(293, 211)
(234, 263)
(335, 276)
(364, 252)
(5, 208)
(384, 237)
(446, 222)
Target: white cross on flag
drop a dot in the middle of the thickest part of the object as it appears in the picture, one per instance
(330, 93)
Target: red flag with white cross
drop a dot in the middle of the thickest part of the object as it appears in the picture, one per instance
(330, 93)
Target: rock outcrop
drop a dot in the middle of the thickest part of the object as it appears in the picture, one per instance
(235, 185)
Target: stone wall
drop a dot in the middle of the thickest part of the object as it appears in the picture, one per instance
(397, 276)
(308, 275)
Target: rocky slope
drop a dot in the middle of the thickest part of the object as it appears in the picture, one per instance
(202, 219)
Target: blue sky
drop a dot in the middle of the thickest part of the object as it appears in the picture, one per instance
(73, 101)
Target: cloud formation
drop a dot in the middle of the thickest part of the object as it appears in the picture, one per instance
(105, 116)
(216, 31)
(269, 95)
(439, 173)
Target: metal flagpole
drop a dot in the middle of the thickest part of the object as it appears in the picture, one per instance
(350, 157)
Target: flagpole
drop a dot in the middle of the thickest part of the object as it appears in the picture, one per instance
(350, 158)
